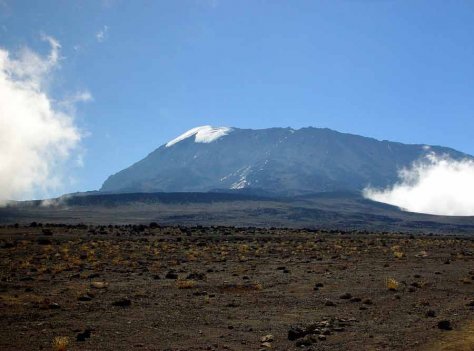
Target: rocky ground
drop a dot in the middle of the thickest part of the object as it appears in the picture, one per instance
(223, 288)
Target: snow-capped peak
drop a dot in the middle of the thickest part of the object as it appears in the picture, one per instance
(203, 134)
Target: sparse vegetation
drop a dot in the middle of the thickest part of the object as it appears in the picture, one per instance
(228, 280)
(60, 343)
(392, 284)
(185, 284)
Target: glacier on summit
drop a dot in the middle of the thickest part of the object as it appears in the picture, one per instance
(203, 134)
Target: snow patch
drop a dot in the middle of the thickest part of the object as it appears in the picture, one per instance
(203, 134)
(242, 182)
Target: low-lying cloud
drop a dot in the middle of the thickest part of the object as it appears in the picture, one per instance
(37, 133)
(436, 185)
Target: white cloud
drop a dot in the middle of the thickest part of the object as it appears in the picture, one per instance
(437, 185)
(69, 103)
(37, 135)
(102, 34)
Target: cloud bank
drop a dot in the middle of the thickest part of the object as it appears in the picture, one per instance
(37, 134)
(437, 185)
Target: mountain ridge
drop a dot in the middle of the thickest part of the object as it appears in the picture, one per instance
(276, 160)
(330, 210)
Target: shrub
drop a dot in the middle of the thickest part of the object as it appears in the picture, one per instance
(185, 284)
(60, 343)
(398, 254)
(392, 284)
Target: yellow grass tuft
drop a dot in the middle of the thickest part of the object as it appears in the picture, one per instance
(185, 284)
(60, 343)
(398, 254)
(392, 284)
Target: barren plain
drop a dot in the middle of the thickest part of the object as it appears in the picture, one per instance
(147, 287)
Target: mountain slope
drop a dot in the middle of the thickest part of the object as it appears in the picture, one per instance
(275, 160)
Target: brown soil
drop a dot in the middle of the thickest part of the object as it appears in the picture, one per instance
(116, 289)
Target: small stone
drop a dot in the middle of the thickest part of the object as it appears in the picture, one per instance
(322, 337)
(84, 298)
(196, 276)
(306, 341)
(232, 304)
(326, 331)
(266, 344)
(54, 306)
(445, 325)
(430, 313)
(84, 335)
(295, 333)
(124, 302)
(171, 275)
(267, 338)
(345, 296)
(99, 285)
(329, 303)
(367, 302)
(44, 241)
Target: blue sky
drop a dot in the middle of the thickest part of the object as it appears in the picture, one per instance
(397, 70)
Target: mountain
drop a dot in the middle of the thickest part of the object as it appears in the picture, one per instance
(281, 161)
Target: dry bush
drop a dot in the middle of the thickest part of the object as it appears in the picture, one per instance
(243, 248)
(185, 284)
(397, 251)
(392, 284)
(60, 343)
(398, 254)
